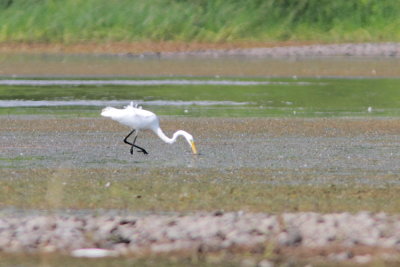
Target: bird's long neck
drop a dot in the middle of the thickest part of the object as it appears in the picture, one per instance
(187, 136)
(165, 138)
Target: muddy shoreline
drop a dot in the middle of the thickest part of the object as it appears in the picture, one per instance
(174, 49)
(270, 60)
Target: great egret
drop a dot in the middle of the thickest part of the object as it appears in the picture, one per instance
(140, 119)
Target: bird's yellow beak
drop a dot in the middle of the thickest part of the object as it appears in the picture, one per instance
(194, 149)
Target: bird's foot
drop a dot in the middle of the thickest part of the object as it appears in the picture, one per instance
(143, 151)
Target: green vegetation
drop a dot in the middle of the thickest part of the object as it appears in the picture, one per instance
(174, 190)
(202, 20)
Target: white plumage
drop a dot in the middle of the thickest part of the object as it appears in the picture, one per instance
(139, 119)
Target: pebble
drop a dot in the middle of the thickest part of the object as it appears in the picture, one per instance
(103, 236)
(92, 253)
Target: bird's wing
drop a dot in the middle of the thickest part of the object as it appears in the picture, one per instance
(143, 113)
(127, 111)
(132, 117)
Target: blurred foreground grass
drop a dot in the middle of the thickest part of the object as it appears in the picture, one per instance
(57, 260)
(182, 190)
(202, 21)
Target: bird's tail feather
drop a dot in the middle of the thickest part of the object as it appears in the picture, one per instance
(109, 112)
(134, 105)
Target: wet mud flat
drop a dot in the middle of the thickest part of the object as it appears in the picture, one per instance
(255, 164)
(338, 145)
(258, 60)
(310, 179)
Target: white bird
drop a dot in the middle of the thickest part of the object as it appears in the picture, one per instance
(140, 119)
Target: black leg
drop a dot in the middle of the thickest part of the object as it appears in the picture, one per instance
(133, 144)
(126, 138)
(141, 149)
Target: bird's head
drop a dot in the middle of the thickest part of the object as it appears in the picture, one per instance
(189, 139)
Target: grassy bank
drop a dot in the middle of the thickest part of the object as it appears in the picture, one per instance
(80, 21)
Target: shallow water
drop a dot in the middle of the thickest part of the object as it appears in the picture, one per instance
(190, 85)
(205, 97)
